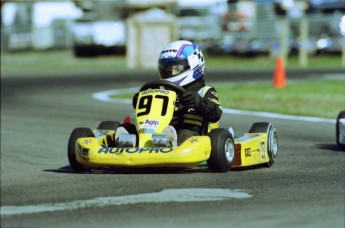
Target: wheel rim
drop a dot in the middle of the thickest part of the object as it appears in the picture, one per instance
(229, 150)
(274, 143)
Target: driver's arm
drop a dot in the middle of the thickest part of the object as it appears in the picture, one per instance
(210, 106)
(207, 106)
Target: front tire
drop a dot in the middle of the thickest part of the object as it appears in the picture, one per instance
(272, 139)
(108, 125)
(75, 135)
(222, 152)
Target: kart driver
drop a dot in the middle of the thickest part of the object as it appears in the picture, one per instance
(182, 63)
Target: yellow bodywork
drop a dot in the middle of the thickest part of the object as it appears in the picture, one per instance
(154, 111)
(91, 153)
(251, 149)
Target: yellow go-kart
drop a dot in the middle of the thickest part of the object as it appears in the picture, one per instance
(152, 142)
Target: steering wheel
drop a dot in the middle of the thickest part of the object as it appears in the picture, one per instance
(170, 85)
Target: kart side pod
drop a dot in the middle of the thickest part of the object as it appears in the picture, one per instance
(259, 146)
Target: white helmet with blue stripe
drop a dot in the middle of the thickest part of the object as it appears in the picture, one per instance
(181, 62)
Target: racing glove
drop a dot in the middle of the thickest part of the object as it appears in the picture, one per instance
(190, 100)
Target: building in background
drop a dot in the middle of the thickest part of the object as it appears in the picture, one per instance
(37, 25)
(218, 26)
(100, 30)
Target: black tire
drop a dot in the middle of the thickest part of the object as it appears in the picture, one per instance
(222, 152)
(76, 134)
(341, 115)
(272, 139)
(108, 125)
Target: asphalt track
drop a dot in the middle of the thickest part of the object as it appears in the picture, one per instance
(304, 188)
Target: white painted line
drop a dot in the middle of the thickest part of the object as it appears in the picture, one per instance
(167, 195)
(278, 116)
(106, 96)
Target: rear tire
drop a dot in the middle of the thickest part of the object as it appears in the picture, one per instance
(75, 135)
(222, 151)
(108, 125)
(272, 139)
(341, 115)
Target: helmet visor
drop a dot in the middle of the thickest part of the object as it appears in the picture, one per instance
(170, 67)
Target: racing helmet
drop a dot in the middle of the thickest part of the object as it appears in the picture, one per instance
(181, 62)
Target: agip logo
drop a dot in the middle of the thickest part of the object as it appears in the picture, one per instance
(151, 123)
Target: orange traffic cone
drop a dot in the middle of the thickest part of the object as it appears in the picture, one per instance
(279, 76)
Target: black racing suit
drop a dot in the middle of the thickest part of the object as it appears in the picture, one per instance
(194, 121)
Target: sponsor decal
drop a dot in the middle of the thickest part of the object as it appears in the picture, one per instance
(160, 91)
(146, 131)
(169, 50)
(262, 149)
(193, 140)
(248, 152)
(149, 131)
(133, 150)
(198, 71)
(87, 141)
(214, 93)
(153, 124)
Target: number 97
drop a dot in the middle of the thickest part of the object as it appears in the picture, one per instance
(145, 103)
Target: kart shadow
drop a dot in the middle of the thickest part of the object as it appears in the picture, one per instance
(253, 167)
(331, 147)
(68, 170)
(197, 169)
(153, 170)
(64, 169)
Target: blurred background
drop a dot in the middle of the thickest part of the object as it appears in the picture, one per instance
(138, 29)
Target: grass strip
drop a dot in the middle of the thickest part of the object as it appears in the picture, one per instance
(65, 61)
(321, 98)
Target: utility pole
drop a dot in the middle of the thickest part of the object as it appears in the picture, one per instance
(304, 31)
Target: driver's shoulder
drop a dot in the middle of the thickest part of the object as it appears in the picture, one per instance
(204, 91)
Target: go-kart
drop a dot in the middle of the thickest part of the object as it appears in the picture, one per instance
(340, 129)
(152, 142)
